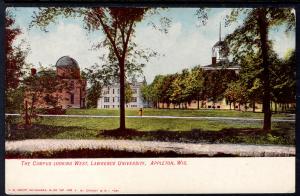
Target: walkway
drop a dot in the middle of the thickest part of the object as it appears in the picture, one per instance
(34, 145)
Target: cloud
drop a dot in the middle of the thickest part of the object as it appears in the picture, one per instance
(185, 46)
(66, 39)
(181, 47)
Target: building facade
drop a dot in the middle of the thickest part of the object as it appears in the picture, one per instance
(68, 70)
(69, 88)
(110, 97)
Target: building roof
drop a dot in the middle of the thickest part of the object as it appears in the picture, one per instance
(67, 62)
(222, 65)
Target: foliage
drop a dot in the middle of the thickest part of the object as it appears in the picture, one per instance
(15, 55)
(128, 93)
(43, 90)
(251, 38)
(283, 79)
(14, 65)
(118, 26)
(14, 100)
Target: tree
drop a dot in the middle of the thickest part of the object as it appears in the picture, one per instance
(252, 38)
(216, 82)
(43, 90)
(118, 25)
(14, 63)
(180, 92)
(128, 93)
(283, 80)
(156, 90)
(195, 85)
(93, 94)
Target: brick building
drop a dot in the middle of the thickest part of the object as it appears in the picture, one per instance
(72, 90)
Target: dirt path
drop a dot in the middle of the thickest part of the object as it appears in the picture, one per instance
(35, 145)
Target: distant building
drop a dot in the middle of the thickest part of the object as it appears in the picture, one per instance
(219, 59)
(110, 97)
(73, 92)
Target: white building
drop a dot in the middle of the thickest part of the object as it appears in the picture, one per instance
(110, 97)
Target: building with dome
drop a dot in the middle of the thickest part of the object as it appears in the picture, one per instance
(69, 87)
(68, 70)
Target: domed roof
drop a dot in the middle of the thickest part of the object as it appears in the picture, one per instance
(67, 62)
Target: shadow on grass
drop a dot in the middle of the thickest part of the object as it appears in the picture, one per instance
(228, 135)
(282, 134)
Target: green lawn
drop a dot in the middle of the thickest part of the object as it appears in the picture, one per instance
(179, 130)
(171, 112)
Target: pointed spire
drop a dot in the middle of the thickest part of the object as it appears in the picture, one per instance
(220, 32)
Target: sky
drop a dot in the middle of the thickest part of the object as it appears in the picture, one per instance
(186, 44)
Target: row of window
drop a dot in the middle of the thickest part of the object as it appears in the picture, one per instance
(117, 91)
(117, 106)
(107, 99)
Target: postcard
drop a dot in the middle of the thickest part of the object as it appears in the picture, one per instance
(126, 100)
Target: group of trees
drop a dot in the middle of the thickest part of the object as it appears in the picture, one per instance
(244, 88)
(117, 24)
(252, 39)
(14, 65)
(249, 42)
(180, 89)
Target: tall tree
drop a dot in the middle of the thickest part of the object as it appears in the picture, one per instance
(252, 37)
(195, 85)
(118, 25)
(14, 65)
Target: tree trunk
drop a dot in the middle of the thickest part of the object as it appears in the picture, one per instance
(263, 29)
(230, 105)
(275, 107)
(198, 102)
(122, 95)
(253, 106)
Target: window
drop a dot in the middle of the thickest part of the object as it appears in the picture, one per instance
(218, 106)
(106, 106)
(113, 99)
(134, 91)
(118, 99)
(105, 91)
(72, 85)
(113, 91)
(209, 106)
(133, 106)
(134, 99)
(118, 91)
(106, 99)
(113, 106)
(72, 98)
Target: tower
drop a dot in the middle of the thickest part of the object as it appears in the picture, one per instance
(218, 55)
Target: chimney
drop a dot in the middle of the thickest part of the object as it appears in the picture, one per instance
(213, 60)
(33, 71)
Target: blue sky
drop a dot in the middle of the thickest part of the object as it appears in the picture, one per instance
(187, 44)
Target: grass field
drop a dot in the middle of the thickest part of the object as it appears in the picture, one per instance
(179, 130)
(172, 112)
